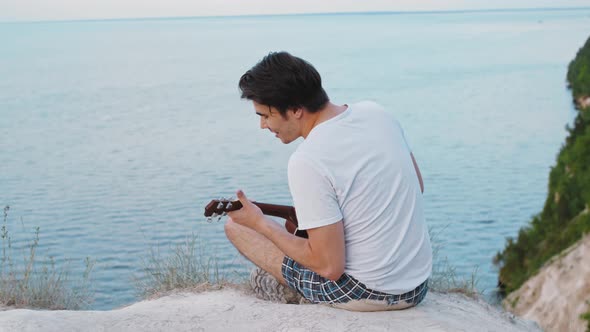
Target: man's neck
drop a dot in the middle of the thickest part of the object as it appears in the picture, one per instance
(329, 111)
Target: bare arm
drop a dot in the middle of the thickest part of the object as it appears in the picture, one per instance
(323, 252)
(418, 172)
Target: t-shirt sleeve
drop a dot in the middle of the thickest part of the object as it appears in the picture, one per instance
(313, 193)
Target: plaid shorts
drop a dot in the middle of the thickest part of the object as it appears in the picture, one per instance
(318, 289)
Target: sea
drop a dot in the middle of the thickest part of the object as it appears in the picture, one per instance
(114, 134)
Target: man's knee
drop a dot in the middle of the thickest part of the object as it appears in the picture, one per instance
(231, 230)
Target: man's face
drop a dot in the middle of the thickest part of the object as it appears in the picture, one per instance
(284, 128)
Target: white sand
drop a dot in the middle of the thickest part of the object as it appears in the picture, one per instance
(234, 310)
(557, 295)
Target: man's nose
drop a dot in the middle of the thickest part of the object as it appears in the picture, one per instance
(263, 123)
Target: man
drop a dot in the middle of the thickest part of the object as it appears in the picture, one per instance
(357, 191)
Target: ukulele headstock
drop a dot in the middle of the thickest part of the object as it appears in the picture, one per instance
(218, 208)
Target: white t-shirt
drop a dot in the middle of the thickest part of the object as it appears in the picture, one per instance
(357, 167)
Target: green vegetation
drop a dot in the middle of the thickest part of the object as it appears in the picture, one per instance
(586, 316)
(578, 74)
(565, 217)
(32, 283)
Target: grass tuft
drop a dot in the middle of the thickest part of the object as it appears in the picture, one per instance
(444, 277)
(33, 283)
(185, 268)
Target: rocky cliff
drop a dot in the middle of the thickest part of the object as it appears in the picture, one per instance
(545, 270)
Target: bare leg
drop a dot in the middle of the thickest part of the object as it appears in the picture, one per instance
(257, 248)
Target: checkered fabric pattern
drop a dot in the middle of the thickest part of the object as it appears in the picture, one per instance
(318, 289)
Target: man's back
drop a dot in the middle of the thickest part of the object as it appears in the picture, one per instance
(356, 188)
(357, 167)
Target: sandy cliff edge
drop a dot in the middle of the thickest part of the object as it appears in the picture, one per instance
(234, 310)
(556, 296)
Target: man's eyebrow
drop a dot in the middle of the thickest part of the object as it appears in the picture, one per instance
(260, 114)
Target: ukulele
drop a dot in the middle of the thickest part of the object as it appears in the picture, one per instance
(220, 207)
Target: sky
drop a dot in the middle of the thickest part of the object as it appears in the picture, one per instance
(42, 10)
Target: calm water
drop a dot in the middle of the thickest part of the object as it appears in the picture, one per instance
(115, 134)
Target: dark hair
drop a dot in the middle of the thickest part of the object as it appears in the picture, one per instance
(284, 81)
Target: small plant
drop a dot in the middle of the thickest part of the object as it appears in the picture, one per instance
(586, 316)
(184, 268)
(514, 302)
(444, 277)
(30, 283)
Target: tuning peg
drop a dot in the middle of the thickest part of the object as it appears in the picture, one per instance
(209, 220)
(229, 205)
(220, 206)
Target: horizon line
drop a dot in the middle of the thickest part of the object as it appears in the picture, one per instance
(386, 12)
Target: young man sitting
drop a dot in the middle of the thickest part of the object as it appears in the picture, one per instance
(357, 190)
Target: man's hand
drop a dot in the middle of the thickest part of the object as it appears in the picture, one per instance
(249, 215)
(323, 252)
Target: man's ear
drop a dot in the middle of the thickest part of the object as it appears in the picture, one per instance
(297, 112)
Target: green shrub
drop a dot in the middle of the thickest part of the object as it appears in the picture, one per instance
(586, 316)
(565, 217)
(578, 74)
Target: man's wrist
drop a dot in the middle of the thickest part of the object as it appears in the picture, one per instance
(259, 224)
(264, 226)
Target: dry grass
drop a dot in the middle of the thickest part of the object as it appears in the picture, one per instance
(444, 278)
(184, 269)
(37, 283)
